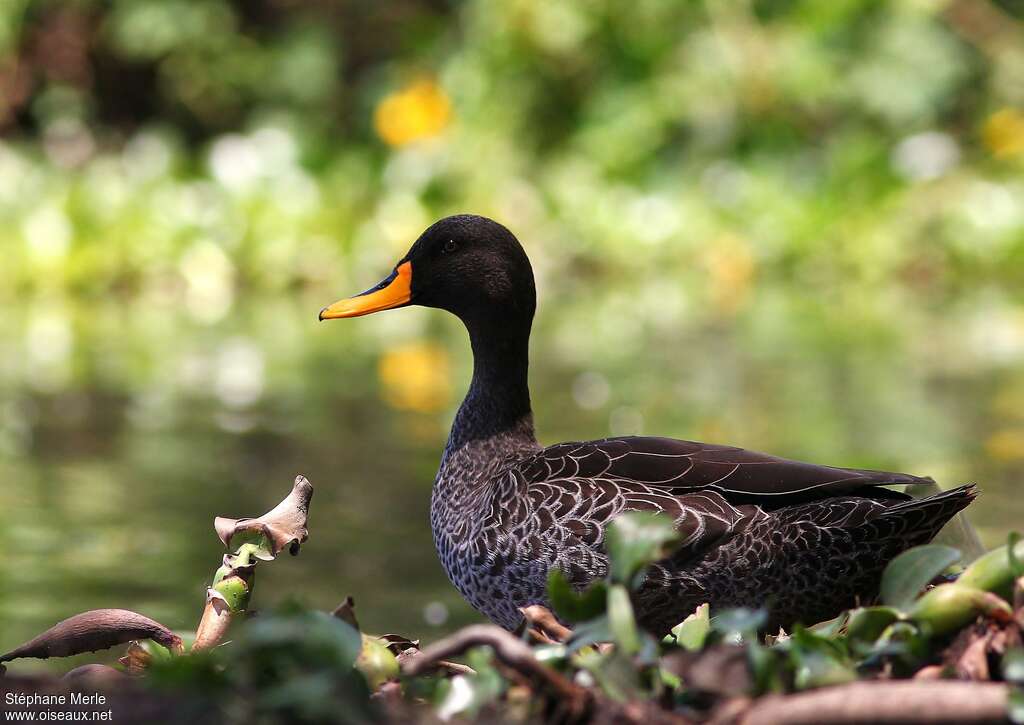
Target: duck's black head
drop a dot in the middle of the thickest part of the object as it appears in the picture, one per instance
(469, 265)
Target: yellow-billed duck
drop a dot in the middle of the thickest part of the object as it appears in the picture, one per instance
(803, 541)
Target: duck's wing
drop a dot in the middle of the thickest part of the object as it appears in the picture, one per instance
(677, 467)
(571, 491)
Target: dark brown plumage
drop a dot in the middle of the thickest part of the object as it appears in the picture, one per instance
(802, 540)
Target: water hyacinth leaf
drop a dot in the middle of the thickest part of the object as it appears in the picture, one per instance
(250, 543)
(742, 621)
(1016, 567)
(573, 606)
(621, 621)
(591, 632)
(994, 572)
(299, 636)
(234, 591)
(158, 651)
(247, 552)
(816, 668)
(309, 698)
(615, 674)
(691, 633)
(1013, 666)
(201, 672)
(1015, 706)
(767, 669)
(669, 679)
(867, 624)
(455, 696)
(806, 640)
(903, 639)
(911, 571)
(551, 653)
(819, 661)
(949, 607)
(469, 693)
(376, 662)
(831, 627)
(636, 539)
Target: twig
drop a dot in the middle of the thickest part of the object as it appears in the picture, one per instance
(899, 703)
(510, 651)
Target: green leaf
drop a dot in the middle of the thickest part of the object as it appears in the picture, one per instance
(767, 668)
(574, 606)
(948, 607)
(620, 620)
(867, 624)
(831, 627)
(740, 620)
(591, 632)
(312, 638)
(994, 572)
(252, 544)
(468, 694)
(1015, 706)
(635, 540)
(819, 661)
(803, 638)
(376, 662)
(910, 572)
(235, 592)
(904, 640)
(1013, 666)
(816, 668)
(1011, 551)
(615, 674)
(551, 654)
(692, 631)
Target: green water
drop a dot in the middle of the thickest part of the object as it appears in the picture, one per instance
(126, 425)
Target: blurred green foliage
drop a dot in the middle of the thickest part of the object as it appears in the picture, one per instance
(791, 225)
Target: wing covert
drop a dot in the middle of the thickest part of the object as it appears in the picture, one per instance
(681, 466)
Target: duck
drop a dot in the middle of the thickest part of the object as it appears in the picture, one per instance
(800, 541)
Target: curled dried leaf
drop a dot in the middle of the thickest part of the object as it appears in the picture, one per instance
(94, 630)
(284, 525)
(135, 659)
(214, 623)
(346, 612)
(398, 643)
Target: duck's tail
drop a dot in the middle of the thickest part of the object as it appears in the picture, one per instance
(922, 518)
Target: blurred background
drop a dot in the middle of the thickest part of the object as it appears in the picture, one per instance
(795, 226)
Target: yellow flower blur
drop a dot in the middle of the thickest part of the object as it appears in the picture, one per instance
(732, 269)
(1004, 132)
(419, 110)
(1006, 445)
(415, 377)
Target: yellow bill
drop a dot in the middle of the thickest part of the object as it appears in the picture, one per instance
(394, 291)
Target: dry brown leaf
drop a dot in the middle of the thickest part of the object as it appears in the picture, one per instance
(284, 525)
(94, 630)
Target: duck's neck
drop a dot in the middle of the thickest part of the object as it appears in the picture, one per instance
(495, 418)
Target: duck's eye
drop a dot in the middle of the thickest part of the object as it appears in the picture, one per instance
(449, 246)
